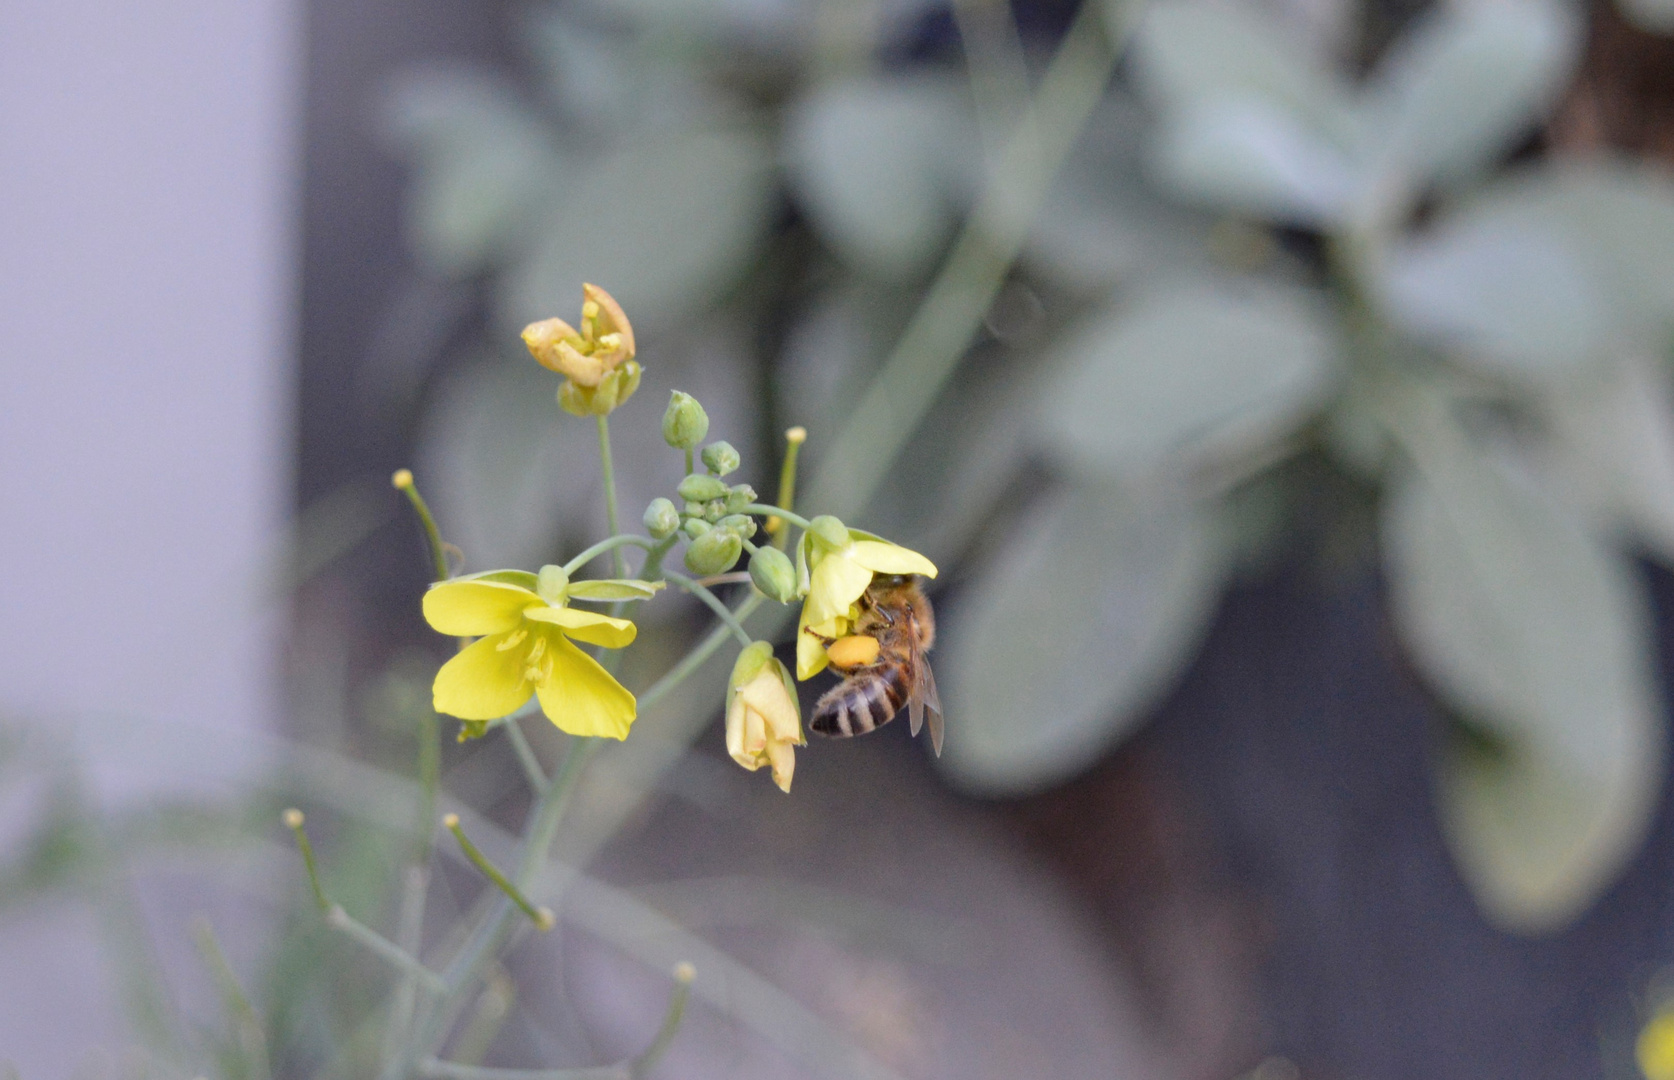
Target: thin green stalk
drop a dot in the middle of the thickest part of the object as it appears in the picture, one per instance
(384, 948)
(294, 821)
(605, 463)
(695, 659)
(540, 916)
(764, 508)
(409, 930)
(612, 544)
(429, 777)
(246, 1022)
(526, 756)
(721, 611)
(776, 527)
(682, 992)
(690, 464)
(942, 329)
(403, 480)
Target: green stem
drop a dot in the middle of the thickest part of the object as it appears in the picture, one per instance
(409, 931)
(690, 464)
(246, 1022)
(294, 821)
(621, 567)
(942, 329)
(541, 917)
(702, 652)
(526, 756)
(794, 438)
(763, 508)
(721, 611)
(429, 776)
(682, 992)
(389, 951)
(621, 540)
(438, 554)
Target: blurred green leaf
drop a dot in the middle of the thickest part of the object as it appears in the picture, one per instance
(1561, 266)
(1535, 631)
(1458, 90)
(1614, 435)
(1085, 618)
(666, 221)
(871, 160)
(1200, 370)
(482, 162)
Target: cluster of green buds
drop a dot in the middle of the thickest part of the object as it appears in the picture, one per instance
(713, 514)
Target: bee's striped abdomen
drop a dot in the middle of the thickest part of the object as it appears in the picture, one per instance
(864, 701)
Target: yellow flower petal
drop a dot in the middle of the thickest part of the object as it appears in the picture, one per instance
(588, 626)
(810, 657)
(1655, 1049)
(783, 759)
(581, 697)
(484, 682)
(468, 608)
(885, 558)
(542, 339)
(586, 369)
(834, 584)
(612, 321)
(766, 695)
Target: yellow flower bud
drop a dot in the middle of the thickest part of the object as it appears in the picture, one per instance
(764, 721)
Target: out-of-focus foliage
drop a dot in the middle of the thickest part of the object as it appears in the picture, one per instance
(1481, 347)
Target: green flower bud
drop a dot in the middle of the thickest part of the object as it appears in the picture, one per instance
(695, 527)
(739, 497)
(613, 391)
(750, 660)
(661, 519)
(714, 552)
(773, 574)
(552, 584)
(700, 488)
(830, 532)
(742, 524)
(720, 458)
(684, 422)
(692, 509)
(714, 510)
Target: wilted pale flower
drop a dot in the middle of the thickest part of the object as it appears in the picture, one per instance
(764, 723)
(597, 360)
(835, 564)
(525, 648)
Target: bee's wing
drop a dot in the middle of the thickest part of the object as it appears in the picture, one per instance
(925, 691)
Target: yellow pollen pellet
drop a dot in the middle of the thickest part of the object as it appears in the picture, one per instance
(857, 650)
(513, 641)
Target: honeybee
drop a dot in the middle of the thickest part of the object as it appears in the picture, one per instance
(894, 613)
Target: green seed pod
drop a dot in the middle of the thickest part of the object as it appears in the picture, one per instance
(552, 583)
(720, 458)
(714, 552)
(830, 532)
(773, 574)
(661, 519)
(695, 527)
(684, 422)
(739, 497)
(742, 524)
(700, 488)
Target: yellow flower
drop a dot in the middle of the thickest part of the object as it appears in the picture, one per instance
(597, 360)
(1655, 1049)
(526, 648)
(764, 723)
(835, 564)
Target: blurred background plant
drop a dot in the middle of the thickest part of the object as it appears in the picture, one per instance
(1384, 291)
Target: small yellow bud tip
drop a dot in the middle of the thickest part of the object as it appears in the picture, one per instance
(545, 919)
(797, 436)
(292, 818)
(403, 479)
(450, 821)
(684, 972)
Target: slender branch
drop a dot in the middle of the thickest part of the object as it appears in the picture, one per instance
(647, 1060)
(247, 1024)
(721, 611)
(942, 329)
(403, 480)
(764, 508)
(703, 651)
(294, 821)
(794, 438)
(612, 544)
(526, 756)
(621, 567)
(395, 955)
(409, 929)
(540, 916)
